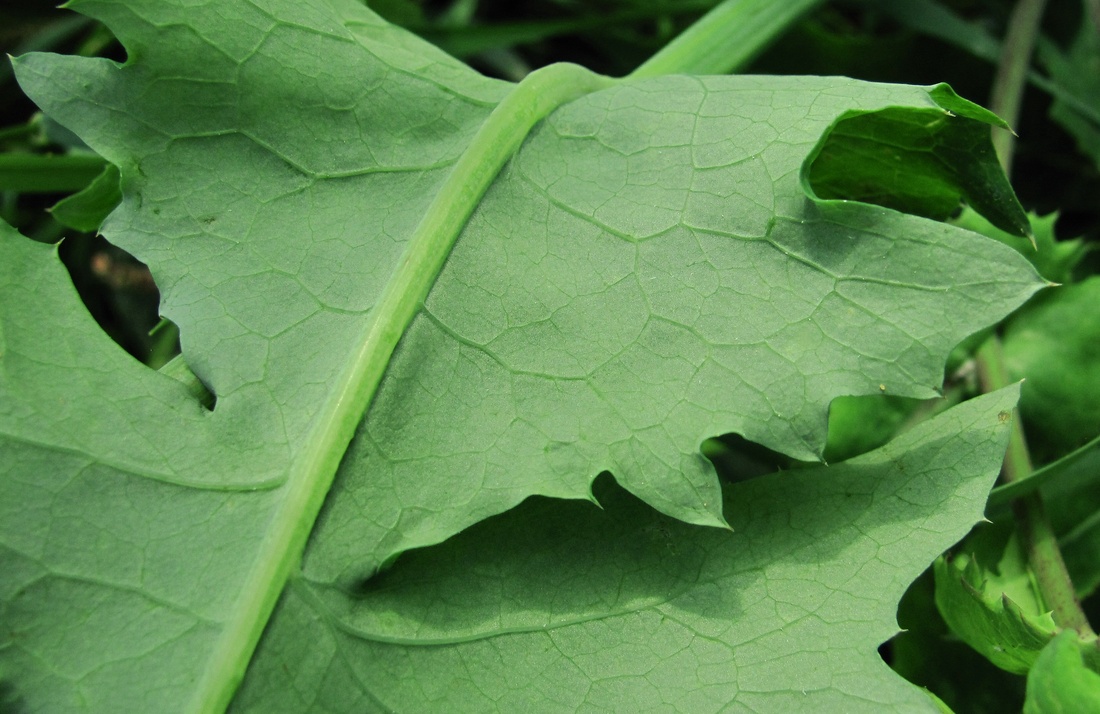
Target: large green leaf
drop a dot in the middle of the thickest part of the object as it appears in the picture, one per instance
(553, 608)
(647, 271)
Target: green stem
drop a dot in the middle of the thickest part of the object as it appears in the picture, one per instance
(726, 38)
(1036, 534)
(20, 131)
(1008, 85)
(312, 472)
(1040, 542)
(48, 173)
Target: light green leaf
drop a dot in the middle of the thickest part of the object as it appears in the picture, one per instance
(998, 609)
(1060, 683)
(1068, 477)
(995, 611)
(1054, 344)
(645, 272)
(1054, 259)
(562, 608)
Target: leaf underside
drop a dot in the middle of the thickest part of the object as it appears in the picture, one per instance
(555, 607)
(646, 272)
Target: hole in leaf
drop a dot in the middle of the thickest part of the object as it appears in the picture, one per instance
(120, 294)
(737, 459)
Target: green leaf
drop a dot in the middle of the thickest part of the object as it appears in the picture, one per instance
(1077, 70)
(1055, 345)
(1075, 470)
(1071, 493)
(637, 272)
(994, 611)
(1054, 259)
(928, 654)
(1060, 683)
(86, 210)
(997, 609)
(921, 162)
(555, 607)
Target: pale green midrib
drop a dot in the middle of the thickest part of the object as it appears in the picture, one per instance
(312, 472)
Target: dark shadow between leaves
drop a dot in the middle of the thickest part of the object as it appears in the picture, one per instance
(10, 701)
(813, 533)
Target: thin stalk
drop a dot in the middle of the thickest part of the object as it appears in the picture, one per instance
(48, 173)
(726, 38)
(1038, 537)
(1036, 533)
(19, 131)
(1008, 85)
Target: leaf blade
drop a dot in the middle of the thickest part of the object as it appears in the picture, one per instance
(272, 234)
(564, 607)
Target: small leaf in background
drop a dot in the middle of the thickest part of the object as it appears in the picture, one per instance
(1073, 501)
(975, 601)
(1077, 70)
(928, 654)
(1060, 682)
(86, 210)
(1054, 343)
(1070, 488)
(48, 173)
(859, 424)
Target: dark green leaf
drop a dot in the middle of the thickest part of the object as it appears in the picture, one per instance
(86, 210)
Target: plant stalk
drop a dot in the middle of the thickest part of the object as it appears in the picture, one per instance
(726, 38)
(1037, 535)
(1008, 85)
(46, 173)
